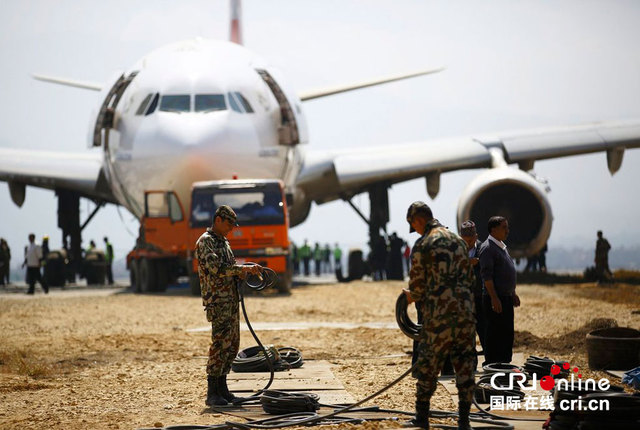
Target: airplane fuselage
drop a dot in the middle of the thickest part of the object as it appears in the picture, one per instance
(200, 110)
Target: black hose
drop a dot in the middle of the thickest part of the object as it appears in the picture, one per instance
(541, 366)
(407, 326)
(281, 402)
(253, 359)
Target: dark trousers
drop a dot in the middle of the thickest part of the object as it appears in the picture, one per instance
(498, 338)
(305, 261)
(481, 321)
(33, 275)
(109, 274)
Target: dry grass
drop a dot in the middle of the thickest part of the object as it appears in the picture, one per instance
(610, 293)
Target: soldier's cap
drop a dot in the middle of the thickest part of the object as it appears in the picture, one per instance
(225, 212)
(416, 208)
(468, 228)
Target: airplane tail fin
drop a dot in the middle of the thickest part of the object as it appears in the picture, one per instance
(235, 33)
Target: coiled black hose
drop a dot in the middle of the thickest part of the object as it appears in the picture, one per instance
(280, 402)
(541, 366)
(253, 359)
(407, 326)
(267, 278)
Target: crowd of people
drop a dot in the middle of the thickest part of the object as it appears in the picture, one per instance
(325, 259)
(388, 258)
(39, 266)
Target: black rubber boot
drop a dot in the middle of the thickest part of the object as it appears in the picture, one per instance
(224, 390)
(463, 416)
(214, 394)
(422, 417)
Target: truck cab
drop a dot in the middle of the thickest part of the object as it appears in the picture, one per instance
(168, 233)
(262, 234)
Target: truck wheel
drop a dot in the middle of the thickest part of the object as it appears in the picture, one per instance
(284, 283)
(194, 283)
(148, 277)
(162, 275)
(134, 275)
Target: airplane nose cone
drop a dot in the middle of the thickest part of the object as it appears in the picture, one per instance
(194, 129)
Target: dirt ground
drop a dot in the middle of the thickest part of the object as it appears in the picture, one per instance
(108, 359)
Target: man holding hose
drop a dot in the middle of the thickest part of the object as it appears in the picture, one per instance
(441, 280)
(219, 273)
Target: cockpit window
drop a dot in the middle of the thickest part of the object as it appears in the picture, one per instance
(245, 103)
(210, 102)
(144, 104)
(235, 105)
(239, 103)
(181, 103)
(154, 104)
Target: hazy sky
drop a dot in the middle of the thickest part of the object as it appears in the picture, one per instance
(510, 65)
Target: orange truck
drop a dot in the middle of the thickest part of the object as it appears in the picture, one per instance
(164, 250)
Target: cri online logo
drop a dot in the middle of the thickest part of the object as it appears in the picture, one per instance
(548, 382)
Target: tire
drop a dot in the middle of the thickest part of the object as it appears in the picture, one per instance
(54, 271)
(162, 275)
(284, 283)
(616, 348)
(356, 265)
(148, 278)
(134, 275)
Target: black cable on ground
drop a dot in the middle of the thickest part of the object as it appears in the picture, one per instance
(291, 355)
(541, 366)
(613, 410)
(281, 402)
(253, 359)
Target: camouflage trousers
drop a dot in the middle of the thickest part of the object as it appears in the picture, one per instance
(435, 345)
(225, 338)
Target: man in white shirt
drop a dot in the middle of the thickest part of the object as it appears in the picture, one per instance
(32, 259)
(499, 296)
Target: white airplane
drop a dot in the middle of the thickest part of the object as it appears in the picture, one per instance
(203, 110)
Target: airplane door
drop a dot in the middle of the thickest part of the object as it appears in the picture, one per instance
(106, 115)
(288, 129)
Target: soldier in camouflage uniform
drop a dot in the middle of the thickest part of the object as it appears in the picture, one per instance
(219, 274)
(441, 279)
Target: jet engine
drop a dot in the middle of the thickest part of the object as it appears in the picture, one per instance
(299, 207)
(516, 195)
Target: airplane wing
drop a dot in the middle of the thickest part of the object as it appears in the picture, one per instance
(81, 172)
(94, 86)
(336, 89)
(331, 175)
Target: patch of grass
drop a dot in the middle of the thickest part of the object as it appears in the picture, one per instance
(611, 293)
(629, 276)
(21, 362)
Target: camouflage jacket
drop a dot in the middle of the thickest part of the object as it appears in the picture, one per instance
(217, 269)
(441, 276)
